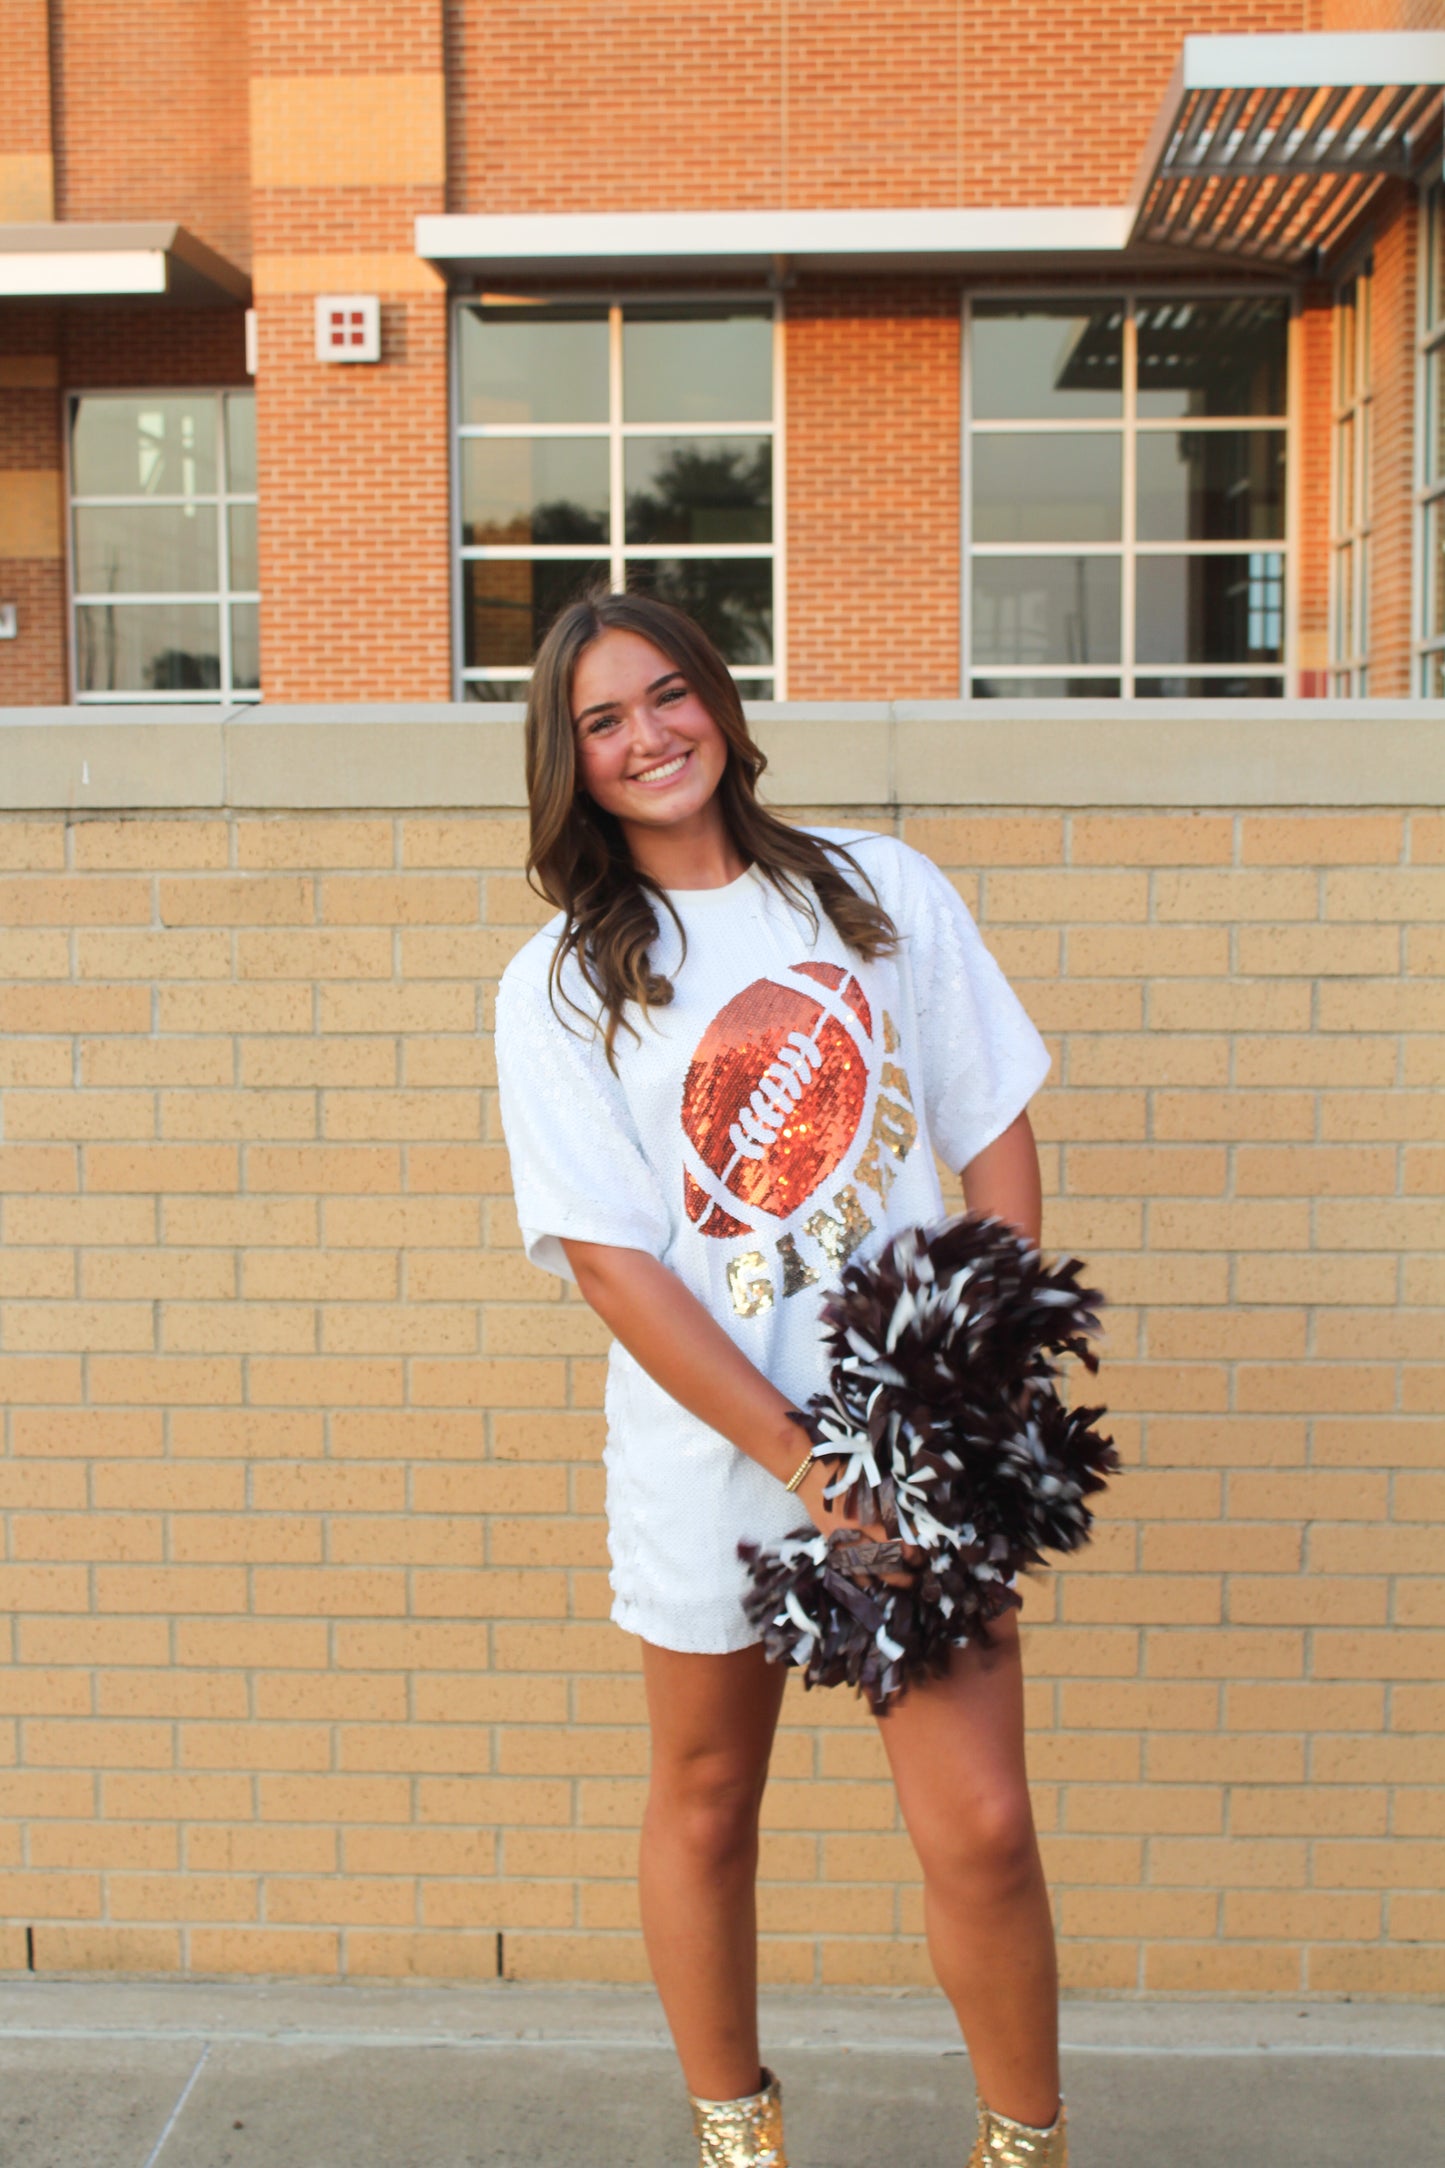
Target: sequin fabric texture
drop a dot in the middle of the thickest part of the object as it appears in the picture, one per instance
(1003, 2143)
(779, 1116)
(745, 2133)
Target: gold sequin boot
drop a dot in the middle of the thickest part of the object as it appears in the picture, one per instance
(1003, 2143)
(746, 2133)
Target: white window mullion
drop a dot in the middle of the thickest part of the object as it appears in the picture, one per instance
(1129, 530)
(616, 479)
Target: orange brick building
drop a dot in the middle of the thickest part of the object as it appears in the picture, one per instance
(940, 352)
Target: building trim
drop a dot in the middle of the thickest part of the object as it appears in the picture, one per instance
(874, 754)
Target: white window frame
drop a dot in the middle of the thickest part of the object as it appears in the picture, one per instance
(1128, 549)
(1429, 489)
(223, 595)
(618, 552)
(1352, 402)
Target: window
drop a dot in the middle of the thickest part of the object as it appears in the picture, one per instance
(1430, 548)
(1350, 491)
(166, 603)
(632, 443)
(1125, 496)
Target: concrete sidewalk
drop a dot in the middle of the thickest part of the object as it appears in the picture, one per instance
(129, 2074)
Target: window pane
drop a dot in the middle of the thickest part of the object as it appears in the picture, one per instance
(1364, 422)
(1345, 475)
(731, 598)
(1209, 688)
(246, 646)
(533, 365)
(1046, 361)
(244, 565)
(1210, 609)
(1053, 488)
(1345, 336)
(507, 607)
(1059, 688)
(1344, 612)
(137, 549)
(755, 688)
(1211, 485)
(1436, 305)
(534, 489)
(148, 647)
(1046, 609)
(1212, 357)
(240, 440)
(150, 444)
(697, 365)
(1435, 569)
(495, 689)
(699, 489)
(1434, 687)
(1435, 439)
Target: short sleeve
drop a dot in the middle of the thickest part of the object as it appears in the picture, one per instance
(983, 1059)
(578, 1168)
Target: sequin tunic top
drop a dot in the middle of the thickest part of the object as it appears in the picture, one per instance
(778, 1117)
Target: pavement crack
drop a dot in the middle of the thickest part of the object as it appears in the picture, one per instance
(175, 2115)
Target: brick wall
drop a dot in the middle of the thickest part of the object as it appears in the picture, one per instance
(1313, 451)
(872, 386)
(150, 115)
(1393, 336)
(303, 1572)
(27, 173)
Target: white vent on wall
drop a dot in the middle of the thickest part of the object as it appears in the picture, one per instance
(348, 327)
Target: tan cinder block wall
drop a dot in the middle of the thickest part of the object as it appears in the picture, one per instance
(303, 1579)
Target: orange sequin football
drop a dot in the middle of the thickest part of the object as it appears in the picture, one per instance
(773, 1097)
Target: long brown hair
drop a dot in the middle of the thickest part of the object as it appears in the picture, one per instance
(577, 849)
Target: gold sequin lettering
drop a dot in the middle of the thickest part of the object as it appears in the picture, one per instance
(890, 1034)
(796, 1274)
(895, 1129)
(879, 1173)
(895, 1122)
(750, 1297)
(840, 1237)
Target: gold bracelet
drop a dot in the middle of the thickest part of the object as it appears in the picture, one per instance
(798, 1474)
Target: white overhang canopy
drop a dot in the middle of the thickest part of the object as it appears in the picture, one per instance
(115, 259)
(1266, 149)
(749, 244)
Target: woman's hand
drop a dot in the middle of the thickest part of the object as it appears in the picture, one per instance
(827, 1516)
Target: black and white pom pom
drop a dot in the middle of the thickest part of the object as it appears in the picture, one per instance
(941, 1424)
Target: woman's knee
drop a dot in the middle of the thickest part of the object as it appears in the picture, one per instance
(987, 1841)
(708, 1802)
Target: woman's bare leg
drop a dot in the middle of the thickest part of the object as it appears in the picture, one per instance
(712, 1720)
(956, 1746)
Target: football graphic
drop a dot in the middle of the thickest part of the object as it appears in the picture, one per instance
(774, 1095)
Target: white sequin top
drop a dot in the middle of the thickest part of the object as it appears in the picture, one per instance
(779, 1116)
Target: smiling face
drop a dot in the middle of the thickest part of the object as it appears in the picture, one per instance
(648, 751)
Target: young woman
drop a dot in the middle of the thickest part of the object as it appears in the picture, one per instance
(725, 1067)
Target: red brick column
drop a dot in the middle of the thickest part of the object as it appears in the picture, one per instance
(1392, 511)
(353, 458)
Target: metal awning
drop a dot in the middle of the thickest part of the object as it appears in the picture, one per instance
(115, 259)
(1267, 148)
